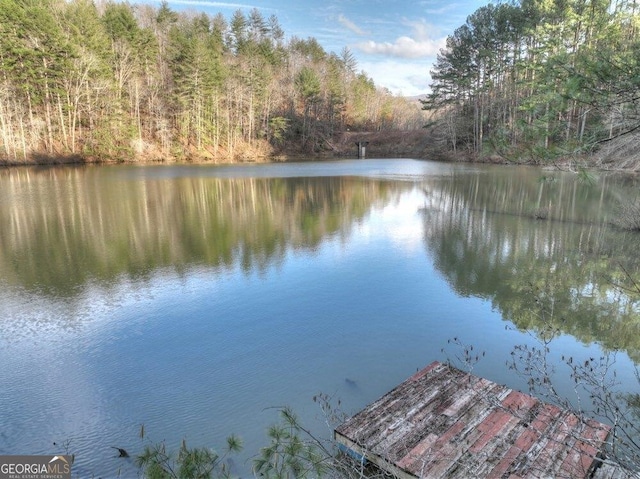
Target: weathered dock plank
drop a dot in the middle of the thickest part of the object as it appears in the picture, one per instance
(445, 423)
(614, 471)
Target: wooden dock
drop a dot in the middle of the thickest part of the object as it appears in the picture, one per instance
(445, 423)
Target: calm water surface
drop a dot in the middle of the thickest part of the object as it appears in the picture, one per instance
(194, 299)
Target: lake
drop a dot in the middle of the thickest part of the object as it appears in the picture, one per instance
(197, 299)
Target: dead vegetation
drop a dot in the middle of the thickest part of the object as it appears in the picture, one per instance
(628, 217)
(622, 153)
(385, 144)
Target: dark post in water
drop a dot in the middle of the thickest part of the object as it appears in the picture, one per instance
(362, 147)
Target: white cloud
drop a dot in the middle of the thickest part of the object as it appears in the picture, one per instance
(345, 22)
(408, 78)
(423, 30)
(403, 47)
(424, 41)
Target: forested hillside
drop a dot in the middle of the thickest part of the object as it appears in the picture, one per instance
(96, 81)
(543, 80)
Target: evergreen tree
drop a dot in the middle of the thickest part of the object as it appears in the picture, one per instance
(539, 79)
(121, 82)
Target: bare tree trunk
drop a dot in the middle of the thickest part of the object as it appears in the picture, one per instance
(547, 125)
(7, 127)
(24, 141)
(65, 138)
(47, 109)
(583, 122)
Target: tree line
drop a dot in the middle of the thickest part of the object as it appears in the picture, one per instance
(540, 79)
(107, 80)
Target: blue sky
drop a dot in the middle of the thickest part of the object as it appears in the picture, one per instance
(395, 42)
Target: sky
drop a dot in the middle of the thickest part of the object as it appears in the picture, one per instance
(394, 42)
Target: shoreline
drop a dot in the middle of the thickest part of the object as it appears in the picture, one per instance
(380, 144)
(590, 164)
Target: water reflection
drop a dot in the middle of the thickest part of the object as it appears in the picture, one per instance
(528, 241)
(63, 228)
(541, 249)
